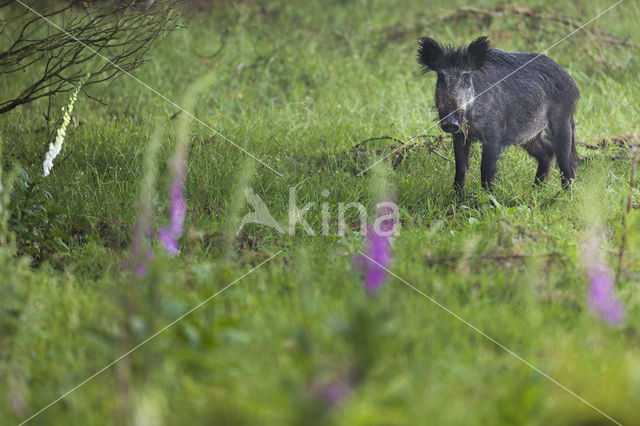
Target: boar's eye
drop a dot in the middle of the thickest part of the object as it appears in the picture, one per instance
(466, 79)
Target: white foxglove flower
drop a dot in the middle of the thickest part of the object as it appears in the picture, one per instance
(56, 147)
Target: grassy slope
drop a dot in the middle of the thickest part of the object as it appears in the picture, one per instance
(298, 86)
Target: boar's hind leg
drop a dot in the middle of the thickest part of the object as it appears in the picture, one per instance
(562, 141)
(461, 150)
(543, 153)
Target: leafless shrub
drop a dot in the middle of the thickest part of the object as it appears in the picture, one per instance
(57, 54)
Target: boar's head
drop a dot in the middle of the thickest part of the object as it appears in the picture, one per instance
(455, 67)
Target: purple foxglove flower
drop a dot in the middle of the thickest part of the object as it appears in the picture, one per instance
(141, 269)
(602, 296)
(333, 392)
(378, 249)
(170, 235)
(378, 255)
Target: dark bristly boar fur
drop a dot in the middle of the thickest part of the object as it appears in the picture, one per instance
(503, 99)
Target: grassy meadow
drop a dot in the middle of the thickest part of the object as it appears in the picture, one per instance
(298, 340)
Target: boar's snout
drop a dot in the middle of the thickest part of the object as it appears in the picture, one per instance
(450, 124)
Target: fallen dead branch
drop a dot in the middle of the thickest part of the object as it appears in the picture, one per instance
(430, 143)
(620, 140)
(493, 257)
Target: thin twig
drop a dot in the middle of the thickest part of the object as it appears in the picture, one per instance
(440, 155)
(400, 152)
(380, 138)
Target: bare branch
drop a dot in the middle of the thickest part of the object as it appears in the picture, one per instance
(122, 31)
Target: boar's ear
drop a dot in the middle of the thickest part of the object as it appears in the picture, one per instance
(477, 51)
(429, 54)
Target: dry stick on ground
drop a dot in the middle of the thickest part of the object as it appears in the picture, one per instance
(622, 140)
(497, 257)
(379, 138)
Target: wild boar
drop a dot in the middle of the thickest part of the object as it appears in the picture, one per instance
(502, 99)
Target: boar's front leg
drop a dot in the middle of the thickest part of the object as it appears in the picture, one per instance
(489, 163)
(461, 150)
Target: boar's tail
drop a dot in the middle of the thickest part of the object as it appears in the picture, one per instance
(574, 151)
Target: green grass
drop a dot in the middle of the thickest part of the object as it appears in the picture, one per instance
(298, 85)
